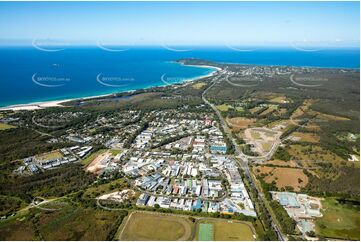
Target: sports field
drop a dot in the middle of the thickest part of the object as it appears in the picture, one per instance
(219, 230)
(205, 232)
(154, 226)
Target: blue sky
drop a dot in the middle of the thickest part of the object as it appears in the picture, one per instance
(181, 23)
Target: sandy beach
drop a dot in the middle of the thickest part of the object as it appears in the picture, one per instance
(59, 103)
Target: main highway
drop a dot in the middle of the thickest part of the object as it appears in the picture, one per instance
(243, 158)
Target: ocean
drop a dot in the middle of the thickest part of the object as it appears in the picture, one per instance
(28, 74)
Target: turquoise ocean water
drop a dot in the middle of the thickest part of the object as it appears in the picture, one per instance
(31, 75)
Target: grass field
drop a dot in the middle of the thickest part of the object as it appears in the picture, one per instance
(96, 190)
(199, 85)
(205, 232)
(339, 221)
(6, 126)
(91, 157)
(224, 230)
(50, 156)
(151, 226)
(223, 107)
(114, 152)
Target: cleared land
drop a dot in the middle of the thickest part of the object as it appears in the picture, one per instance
(223, 107)
(239, 123)
(339, 221)
(307, 137)
(91, 157)
(152, 226)
(303, 108)
(97, 163)
(199, 85)
(50, 156)
(282, 176)
(224, 230)
(262, 139)
(328, 116)
(269, 110)
(255, 109)
(279, 99)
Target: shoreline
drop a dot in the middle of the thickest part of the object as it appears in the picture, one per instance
(58, 103)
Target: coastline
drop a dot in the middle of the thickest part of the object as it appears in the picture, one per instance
(59, 103)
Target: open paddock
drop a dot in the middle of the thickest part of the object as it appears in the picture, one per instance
(283, 177)
(238, 123)
(339, 221)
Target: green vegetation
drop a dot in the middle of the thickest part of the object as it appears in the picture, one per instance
(219, 230)
(263, 224)
(288, 225)
(205, 232)
(6, 126)
(144, 125)
(68, 223)
(53, 183)
(21, 142)
(281, 154)
(223, 107)
(339, 220)
(92, 156)
(346, 184)
(9, 205)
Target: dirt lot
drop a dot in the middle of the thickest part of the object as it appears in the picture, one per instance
(279, 99)
(239, 123)
(292, 177)
(97, 163)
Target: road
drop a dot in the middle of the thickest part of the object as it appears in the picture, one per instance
(244, 159)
